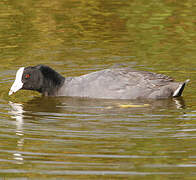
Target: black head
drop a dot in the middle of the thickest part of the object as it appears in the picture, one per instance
(40, 78)
(32, 78)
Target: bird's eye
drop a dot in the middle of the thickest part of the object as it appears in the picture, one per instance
(27, 76)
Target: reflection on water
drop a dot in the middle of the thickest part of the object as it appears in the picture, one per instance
(86, 105)
(81, 136)
(17, 113)
(56, 107)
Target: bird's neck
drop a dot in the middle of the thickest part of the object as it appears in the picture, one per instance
(52, 81)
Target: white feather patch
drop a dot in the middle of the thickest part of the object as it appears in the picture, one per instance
(17, 85)
(179, 88)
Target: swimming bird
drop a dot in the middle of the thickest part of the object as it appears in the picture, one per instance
(114, 83)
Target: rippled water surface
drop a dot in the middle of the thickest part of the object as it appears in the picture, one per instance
(81, 138)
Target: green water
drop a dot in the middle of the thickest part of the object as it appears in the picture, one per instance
(73, 138)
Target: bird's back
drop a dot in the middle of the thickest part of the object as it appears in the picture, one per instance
(118, 83)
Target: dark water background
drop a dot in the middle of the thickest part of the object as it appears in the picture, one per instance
(73, 138)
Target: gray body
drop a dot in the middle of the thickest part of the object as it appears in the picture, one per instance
(121, 83)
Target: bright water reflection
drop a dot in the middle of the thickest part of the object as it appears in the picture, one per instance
(17, 113)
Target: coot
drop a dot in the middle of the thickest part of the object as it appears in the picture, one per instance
(114, 83)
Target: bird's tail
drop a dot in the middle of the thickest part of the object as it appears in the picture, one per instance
(179, 90)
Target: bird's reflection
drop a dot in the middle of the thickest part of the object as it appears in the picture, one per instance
(66, 105)
(17, 113)
(85, 105)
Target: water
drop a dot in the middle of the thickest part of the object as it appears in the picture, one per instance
(75, 138)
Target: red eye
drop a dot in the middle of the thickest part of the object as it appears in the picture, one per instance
(27, 76)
